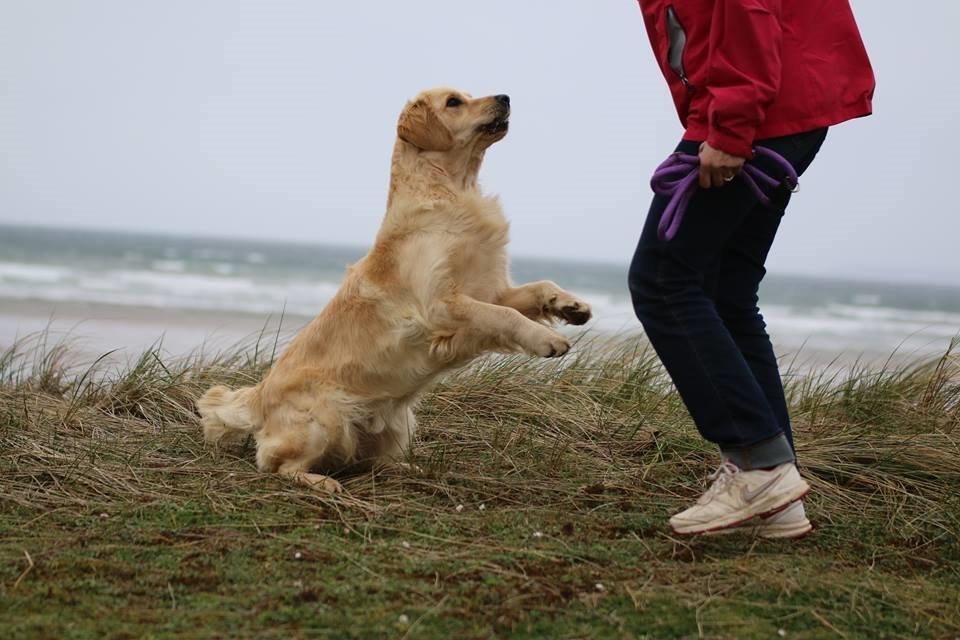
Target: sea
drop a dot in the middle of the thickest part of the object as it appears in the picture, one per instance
(110, 291)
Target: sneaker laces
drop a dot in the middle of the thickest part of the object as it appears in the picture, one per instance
(721, 478)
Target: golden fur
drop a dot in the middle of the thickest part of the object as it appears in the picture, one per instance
(433, 293)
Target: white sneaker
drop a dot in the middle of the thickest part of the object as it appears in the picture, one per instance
(790, 523)
(737, 496)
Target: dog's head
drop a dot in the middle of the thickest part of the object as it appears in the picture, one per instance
(449, 120)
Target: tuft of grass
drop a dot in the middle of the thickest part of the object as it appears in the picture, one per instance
(540, 511)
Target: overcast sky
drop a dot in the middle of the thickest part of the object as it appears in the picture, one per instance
(275, 119)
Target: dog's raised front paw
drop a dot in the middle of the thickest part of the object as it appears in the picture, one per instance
(570, 309)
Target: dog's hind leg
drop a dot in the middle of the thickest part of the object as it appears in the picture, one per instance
(316, 481)
(292, 442)
(386, 437)
(394, 442)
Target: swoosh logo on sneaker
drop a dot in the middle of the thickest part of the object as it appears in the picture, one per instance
(749, 495)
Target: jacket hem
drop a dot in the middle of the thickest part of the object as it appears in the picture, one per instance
(700, 131)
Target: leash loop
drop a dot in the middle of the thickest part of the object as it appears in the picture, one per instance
(677, 177)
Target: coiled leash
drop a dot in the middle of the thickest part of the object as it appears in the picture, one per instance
(677, 179)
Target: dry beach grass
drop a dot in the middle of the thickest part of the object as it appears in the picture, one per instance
(539, 513)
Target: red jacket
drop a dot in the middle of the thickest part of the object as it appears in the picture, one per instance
(745, 70)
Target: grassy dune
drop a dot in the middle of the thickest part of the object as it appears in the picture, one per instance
(540, 511)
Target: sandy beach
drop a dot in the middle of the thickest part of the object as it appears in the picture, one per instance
(94, 329)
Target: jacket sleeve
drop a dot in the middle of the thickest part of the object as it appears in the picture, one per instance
(743, 73)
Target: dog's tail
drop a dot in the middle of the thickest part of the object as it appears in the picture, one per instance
(226, 415)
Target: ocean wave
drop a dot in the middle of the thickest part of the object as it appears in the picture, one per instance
(33, 273)
(177, 266)
(146, 288)
(170, 283)
(842, 327)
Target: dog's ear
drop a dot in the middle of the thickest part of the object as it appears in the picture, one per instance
(420, 126)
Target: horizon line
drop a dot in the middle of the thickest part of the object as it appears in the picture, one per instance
(916, 279)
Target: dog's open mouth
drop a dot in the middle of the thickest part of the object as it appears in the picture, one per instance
(498, 125)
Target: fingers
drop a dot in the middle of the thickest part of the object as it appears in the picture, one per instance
(716, 176)
(717, 168)
(719, 176)
(728, 174)
(711, 176)
(706, 181)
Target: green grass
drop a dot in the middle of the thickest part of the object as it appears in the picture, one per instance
(540, 512)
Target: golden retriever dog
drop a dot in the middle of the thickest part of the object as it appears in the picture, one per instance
(432, 294)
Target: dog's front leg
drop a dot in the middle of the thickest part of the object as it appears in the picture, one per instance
(543, 300)
(467, 327)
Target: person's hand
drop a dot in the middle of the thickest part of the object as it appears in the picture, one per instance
(717, 167)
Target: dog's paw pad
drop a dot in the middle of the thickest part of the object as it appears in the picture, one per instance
(577, 313)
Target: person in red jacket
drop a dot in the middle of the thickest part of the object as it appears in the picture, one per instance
(743, 74)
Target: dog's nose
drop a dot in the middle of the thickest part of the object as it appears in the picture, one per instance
(503, 99)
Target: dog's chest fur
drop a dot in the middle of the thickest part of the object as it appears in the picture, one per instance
(442, 248)
(478, 262)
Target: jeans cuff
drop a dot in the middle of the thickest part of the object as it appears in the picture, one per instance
(768, 453)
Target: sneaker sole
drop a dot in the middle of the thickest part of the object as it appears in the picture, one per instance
(745, 517)
(786, 533)
(767, 531)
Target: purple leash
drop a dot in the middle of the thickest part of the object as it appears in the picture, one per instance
(677, 178)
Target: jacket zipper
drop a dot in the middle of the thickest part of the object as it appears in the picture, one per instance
(676, 45)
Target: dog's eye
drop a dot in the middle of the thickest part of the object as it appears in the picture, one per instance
(454, 102)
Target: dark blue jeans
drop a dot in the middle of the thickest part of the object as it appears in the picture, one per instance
(696, 297)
